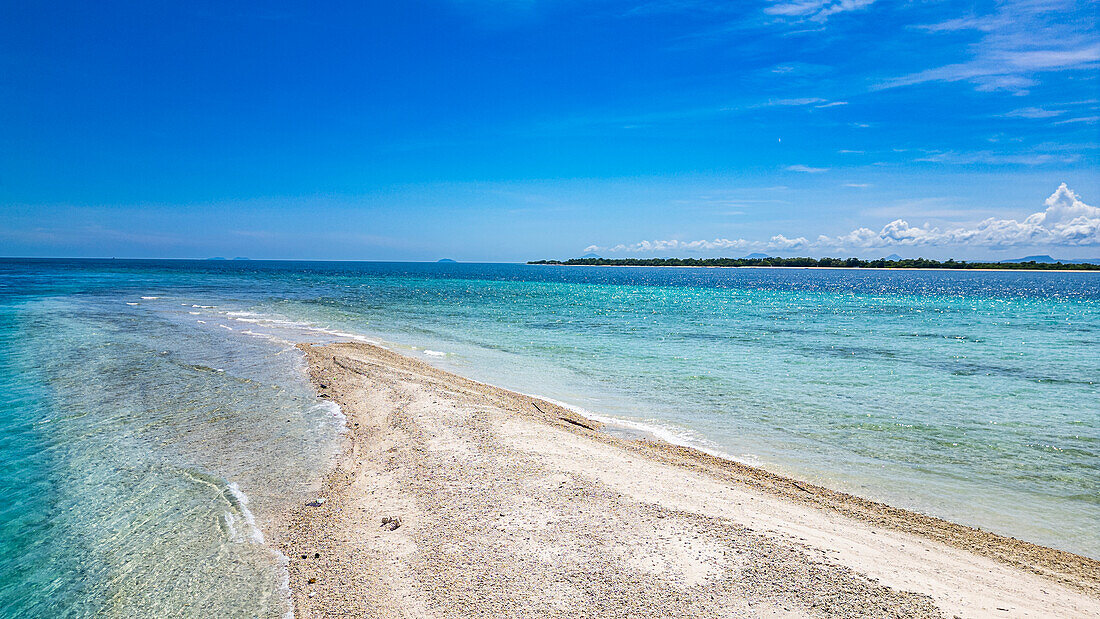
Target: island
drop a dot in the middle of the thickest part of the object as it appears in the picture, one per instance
(833, 263)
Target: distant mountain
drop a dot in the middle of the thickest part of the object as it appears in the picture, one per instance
(893, 257)
(216, 258)
(590, 255)
(242, 258)
(756, 255)
(445, 260)
(1044, 259)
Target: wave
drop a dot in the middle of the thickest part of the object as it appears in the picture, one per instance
(666, 433)
(239, 501)
(333, 410)
(238, 508)
(268, 336)
(296, 325)
(284, 583)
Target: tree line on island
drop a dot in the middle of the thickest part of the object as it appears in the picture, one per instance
(851, 263)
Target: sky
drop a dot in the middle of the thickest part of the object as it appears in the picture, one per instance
(512, 130)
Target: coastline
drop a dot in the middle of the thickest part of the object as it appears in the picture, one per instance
(701, 266)
(460, 463)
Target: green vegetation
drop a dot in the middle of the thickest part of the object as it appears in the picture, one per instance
(851, 263)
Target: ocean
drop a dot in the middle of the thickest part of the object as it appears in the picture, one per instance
(157, 419)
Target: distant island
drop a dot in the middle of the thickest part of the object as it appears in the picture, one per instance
(850, 263)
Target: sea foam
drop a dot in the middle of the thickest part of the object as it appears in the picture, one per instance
(239, 501)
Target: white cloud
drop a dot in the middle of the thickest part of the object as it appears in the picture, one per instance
(1033, 112)
(793, 102)
(1017, 42)
(959, 23)
(1083, 119)
(675, 245)
(1006, 70)
(817, 102)
(815, 10)
(1065, 222)
(992, 158)
(805, 168)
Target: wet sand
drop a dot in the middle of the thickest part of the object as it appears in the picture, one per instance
(508, 505)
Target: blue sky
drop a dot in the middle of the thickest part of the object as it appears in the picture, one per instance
(514, 130)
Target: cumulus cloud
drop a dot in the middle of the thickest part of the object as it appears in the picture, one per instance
(1065, 222)
(643, 247)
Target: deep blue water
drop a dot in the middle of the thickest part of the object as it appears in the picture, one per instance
(147, 401)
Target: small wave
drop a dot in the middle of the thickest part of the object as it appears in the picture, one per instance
(435, 353)
(284, 582)
(353, 336)
(239, 501)
(675, 436)
(332, 409)
(195, 313)
(150, 298)
(239, 525)
(268, 336)
(128, 303)
(263, 321)
(226, 327)
(280, 323)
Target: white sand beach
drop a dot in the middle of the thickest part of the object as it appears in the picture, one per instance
(458, 499)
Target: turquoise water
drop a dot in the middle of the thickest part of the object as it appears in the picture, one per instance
(157, 419)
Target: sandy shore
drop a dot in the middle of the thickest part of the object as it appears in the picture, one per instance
(511, 506)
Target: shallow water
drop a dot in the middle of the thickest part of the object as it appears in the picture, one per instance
(141, 459)
(134, 424)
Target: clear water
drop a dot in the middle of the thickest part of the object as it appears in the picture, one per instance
(132, 427)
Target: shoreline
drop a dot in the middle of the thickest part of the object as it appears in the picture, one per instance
(833, 524)
(701, 266)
